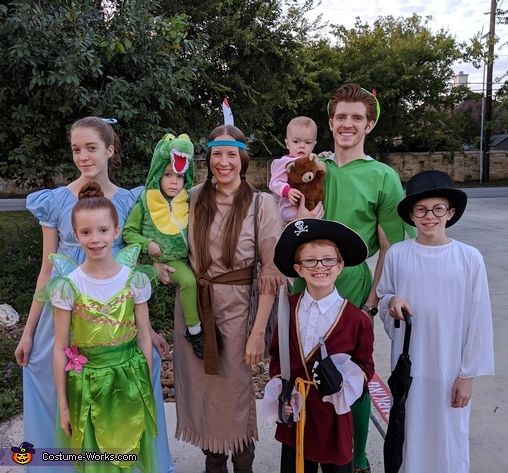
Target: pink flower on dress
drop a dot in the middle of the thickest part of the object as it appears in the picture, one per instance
(76, 361)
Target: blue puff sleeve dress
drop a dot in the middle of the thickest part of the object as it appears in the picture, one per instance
(53, 207)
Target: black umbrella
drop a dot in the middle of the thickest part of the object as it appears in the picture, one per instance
(399, 382)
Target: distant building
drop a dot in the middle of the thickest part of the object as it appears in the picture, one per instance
(499, 142)
(460, 78)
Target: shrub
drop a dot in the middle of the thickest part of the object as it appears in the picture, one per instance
(20, 253)
(11, 387)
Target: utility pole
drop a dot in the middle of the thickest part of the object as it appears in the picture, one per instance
(488, 95)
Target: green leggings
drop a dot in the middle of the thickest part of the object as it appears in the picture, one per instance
(184, 277)
(361, 417)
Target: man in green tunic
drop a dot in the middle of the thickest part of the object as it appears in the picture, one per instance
(363, 194)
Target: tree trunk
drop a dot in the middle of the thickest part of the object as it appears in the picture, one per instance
(384, 151)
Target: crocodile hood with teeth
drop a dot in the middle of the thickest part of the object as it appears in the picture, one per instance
(179, 151)
(165, 218)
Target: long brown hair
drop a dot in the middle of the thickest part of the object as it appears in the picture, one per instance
(91, 197)
(206, 207)
(107, 135)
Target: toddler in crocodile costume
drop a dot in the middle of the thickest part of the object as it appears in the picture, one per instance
(159, 220)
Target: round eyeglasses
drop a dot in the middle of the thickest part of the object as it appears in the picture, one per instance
(439, 210)
(313, 262)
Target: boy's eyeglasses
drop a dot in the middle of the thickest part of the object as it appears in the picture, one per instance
(439, 210)
(313, 262)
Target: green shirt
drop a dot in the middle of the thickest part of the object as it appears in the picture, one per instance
(132, 229)
(362, 194)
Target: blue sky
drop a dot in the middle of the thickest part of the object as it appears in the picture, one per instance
(462, 19)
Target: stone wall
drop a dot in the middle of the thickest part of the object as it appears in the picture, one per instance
(9, 187)
(462, 166)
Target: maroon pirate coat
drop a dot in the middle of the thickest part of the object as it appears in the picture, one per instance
(328, 436)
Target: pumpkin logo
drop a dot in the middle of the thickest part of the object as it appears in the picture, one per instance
(22, 455)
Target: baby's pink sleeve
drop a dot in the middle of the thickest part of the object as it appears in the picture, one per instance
(279, 177)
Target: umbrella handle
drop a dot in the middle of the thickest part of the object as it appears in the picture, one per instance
(407, 335)
(407, 318)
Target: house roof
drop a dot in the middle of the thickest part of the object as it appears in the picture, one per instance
(496, 140)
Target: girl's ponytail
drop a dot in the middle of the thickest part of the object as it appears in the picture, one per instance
(91, 197)
(115, 162)
(90, 190)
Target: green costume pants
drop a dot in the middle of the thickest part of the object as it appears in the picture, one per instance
(184, 277)
(361, 416)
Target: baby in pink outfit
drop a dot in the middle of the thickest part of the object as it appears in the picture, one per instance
(301, 136)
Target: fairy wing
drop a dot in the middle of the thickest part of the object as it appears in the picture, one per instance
(128, 256)
(62, 264)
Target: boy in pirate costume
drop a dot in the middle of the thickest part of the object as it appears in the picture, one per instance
(330, 347)
(159, 220)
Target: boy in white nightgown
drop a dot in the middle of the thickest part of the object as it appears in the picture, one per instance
(443, 284)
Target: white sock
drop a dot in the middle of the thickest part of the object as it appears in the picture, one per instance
(195, 329)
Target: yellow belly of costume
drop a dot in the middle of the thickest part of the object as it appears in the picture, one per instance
(168, 219)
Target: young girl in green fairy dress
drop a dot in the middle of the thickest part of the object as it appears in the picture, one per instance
(102, 354)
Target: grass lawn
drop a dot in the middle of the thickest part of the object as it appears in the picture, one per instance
(11, 399)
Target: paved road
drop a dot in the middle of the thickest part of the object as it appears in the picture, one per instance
(12, 204)
(486, 192)
(485, 226)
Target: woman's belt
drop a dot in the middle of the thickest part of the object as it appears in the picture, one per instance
(238, 277)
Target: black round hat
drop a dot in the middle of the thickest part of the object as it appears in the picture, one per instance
(431, 184)
(351, 245)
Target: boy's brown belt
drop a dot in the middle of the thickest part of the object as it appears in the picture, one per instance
(238, 277)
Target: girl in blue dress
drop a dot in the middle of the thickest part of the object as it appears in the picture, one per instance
(96, 151)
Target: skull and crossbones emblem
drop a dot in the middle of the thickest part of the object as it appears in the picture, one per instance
(300, 227)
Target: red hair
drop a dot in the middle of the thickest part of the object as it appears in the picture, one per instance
(353, 93)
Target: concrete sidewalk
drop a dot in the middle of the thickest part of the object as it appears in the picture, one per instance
(189, 459)
(485, 226)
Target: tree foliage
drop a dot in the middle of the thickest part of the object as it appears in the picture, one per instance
(254, 56)
(411, 68)
(165, 64)
(62, 60)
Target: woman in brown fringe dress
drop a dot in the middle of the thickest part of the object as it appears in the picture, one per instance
(215, 400)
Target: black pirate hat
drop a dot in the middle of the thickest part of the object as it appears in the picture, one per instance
(432, 184)
(351, 245)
